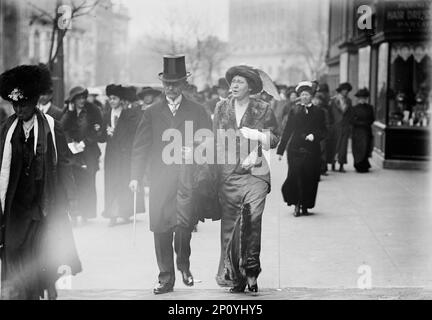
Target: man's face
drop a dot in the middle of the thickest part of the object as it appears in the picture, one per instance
(174, 89)
(45, 98)
(305, 97)
(25, 109)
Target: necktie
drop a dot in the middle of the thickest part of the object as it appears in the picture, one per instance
(174, 108)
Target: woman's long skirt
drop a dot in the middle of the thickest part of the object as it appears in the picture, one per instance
(361, 147)
(242, 197)
(301, 184)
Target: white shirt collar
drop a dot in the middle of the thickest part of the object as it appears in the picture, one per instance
(176, 102)
(115, 113)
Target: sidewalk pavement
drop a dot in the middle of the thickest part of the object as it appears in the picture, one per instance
(375, 225)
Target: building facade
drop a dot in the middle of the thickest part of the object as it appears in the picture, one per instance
(385, 46)
(283, 38)
(94, 47)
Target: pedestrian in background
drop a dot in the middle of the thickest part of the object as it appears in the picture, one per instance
(341, 107)
(46, 105)
(244, 184)
(301, 138)
(319, 101)
(121, 124)
(362, 137)
(83, 126)
(36, 191)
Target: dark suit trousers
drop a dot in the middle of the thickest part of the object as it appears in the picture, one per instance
(165, 255)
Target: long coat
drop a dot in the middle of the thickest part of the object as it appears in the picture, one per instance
(118, 153)
(301, 184)
(86, 164)
(362, 138)
(148, 148)
(42, 231)
(342, 125)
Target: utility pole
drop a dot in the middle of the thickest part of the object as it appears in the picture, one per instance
(58, 63)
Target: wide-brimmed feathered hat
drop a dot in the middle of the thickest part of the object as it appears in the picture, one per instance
(114, 90)
(344, 86)
(25, 82)
(251, 75)
(130, 93)
(174, 68)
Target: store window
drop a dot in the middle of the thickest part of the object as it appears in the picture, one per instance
(381, 99)
(409, 86)
(364, 67)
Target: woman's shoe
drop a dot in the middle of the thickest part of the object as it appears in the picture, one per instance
(305, 212)
(297, 211)
(253, 288)
(238, 288)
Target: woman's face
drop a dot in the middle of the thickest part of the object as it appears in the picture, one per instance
(79, 101)
(305, 97)
(293, 96)
(362, 100)
(25, 109)
(114, 101)
(239, 87)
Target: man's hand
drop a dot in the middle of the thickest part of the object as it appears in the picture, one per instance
(133, 185)
(71, 106)
(310, 137)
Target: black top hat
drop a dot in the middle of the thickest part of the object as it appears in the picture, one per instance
(364, 92)
(25, 82)
(148, 91)
(76, 91)
(174, 68)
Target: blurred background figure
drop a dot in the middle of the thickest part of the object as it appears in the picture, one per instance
(121, 125)
(147, 96)
(46, 105)
(222, 91)
(319, 101)
(93, 94)
(83, 126)
(341, 108)
(362, 138)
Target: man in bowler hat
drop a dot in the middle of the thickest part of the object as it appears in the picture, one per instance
(170, 213)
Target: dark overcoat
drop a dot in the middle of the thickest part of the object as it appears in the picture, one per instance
(165, 179)
(301, 184)
(117, 165)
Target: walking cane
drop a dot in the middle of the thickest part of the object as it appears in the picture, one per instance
(134, 218)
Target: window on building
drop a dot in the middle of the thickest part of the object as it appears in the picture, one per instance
(381, 99)
(36, 46)
(409, 84)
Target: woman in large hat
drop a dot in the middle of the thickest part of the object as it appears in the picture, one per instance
(341, 109)
(83, 125)
(244, 175)
(121, 126)
(303, 133)
(36, 191)
(362, 138)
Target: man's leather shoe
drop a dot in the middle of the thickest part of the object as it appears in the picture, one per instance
(187, 278)
(163, 288)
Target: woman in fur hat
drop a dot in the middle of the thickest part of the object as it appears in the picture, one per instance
(244, 175)
(121, 126)
(36, 189)
(362, 138)
(301, 138)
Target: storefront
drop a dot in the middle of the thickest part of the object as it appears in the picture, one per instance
(392, 59)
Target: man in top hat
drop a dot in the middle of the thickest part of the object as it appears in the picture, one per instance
(36, 191)
(341, 109)
(222, 89)
(168, 215)
(83, 126)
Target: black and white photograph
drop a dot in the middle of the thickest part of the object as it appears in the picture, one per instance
(223, 151)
